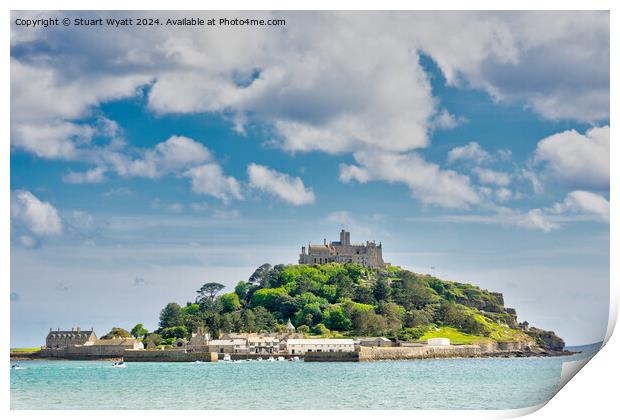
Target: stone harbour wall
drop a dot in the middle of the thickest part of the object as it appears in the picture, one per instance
(168, 356)
(409, 353)
(345, 356)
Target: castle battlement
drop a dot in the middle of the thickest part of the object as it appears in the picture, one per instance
(368, 254)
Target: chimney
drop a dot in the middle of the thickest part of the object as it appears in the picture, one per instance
(324, 241)
(303, 250)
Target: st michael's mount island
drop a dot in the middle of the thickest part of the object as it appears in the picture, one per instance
(342, 302)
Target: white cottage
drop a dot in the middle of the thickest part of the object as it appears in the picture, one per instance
(304, 345)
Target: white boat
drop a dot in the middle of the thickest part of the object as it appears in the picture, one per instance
(16, 366)
(198, 362)
(227, 358)
(119, 365)
(271, 359)
(295, 359)
(281, 358)
(258, 359)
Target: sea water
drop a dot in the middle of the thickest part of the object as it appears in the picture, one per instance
(418, 384)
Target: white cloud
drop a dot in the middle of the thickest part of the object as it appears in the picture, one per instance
(38, 217)
(488, 176)
(346, 221)
(288, 188)
(208, 179)
(585, 202)
(309, 85)
(470, 152)
(51, 140)
(580, 160)
(535, 219)
(523, 57)
(503, 194)
(176, 154)
(426, 181)
(91, 176)
(447, 121)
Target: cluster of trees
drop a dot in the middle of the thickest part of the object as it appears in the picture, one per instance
(326, 299)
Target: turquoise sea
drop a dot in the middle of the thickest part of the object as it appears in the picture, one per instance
(420, 384)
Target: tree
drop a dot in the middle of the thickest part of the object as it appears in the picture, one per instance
(264, 320)
(381, 290)
(416, 318)
(364, 294)
(393, 314)
(230, 302)
(209, 291)
(321, 329)
(260, 274)
(249, 320)
(368, 323)
(171, 316)
(336, 319)
(139, 331)
(241, 289)
(117, 332)
(267, 297)
(174, 332)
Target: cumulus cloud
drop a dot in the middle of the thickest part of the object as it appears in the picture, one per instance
(447, 121)
(91, 176)
(488, 176)
(38, 217)
(308, 84)
(521, 57)
(427, 181)
(173, 155)
(584, 202)
(209, 179)
(580, 160)
(470, 152)
(288, 188)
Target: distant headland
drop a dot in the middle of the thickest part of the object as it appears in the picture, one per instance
(342, 302)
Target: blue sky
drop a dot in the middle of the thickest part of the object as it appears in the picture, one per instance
(148, 165)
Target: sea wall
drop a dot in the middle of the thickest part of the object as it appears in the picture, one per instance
(345, 356)
(168, 356)
(367, 354)
(494, 346)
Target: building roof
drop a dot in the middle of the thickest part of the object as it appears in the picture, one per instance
(320, 341)
(319, 248)
(264, 339)
(115, 342)
(70, 332)
(289, 325)
(385, 340)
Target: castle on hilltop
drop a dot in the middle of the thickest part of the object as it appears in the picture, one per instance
(343, 251)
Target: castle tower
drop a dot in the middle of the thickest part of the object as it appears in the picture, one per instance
(345, 237)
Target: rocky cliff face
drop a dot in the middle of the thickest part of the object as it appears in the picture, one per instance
(546, 339)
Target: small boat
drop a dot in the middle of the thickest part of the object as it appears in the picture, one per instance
(119, 365)
(295, 359)
(16, 366)
(281, 358)
(271, 359)
(227, 358)
(259, 359)
(198, 362)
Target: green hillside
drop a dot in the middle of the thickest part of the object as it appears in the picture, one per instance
(350, 300)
